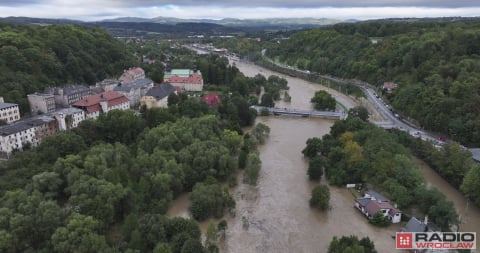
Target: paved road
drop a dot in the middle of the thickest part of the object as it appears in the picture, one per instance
(391, 120)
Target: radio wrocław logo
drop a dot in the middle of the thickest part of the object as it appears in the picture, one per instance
(436, 240)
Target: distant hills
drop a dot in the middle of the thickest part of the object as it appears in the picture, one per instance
(232, 22)
(168, 26)
(134, 26)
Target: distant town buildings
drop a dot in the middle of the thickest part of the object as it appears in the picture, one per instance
(68, 95)
(63, 108)
(108, 84)
(41, 103)
(14, 137)
(68, 118)
(157, 96)
(186, 79)
(92, 106)
(131, 74)
(135, 90)
(9, 112)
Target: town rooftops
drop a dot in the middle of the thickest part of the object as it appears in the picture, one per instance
(375, 195)
(40, 94)
(67, 90)
(66, 111)
(181, 73)
(14, 128)
(7, 105)
(92, 103)
(71, 89)
(132, 74)
(136, 84)
(194, 78)
(161, 91)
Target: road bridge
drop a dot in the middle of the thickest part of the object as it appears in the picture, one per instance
(302, 113)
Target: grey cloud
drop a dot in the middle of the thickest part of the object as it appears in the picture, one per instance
(309, 3)
(19, 2)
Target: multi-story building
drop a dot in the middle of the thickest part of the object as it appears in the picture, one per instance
(135, 90)
(68, 95)
(92, 106)
(43, 126)
(186, 79)
(41, 103)
(15, 136)
(131, 74)
(68, 118)
(9, 112)
(108, 84)
(157, 96)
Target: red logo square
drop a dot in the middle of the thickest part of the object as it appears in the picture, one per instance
(404, 240)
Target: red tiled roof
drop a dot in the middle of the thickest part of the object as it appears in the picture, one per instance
(131, 74)
(92, 103)
(194, 78)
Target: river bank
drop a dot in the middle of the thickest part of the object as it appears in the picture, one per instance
(274, 216)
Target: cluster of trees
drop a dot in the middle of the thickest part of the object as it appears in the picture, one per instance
(34, 57)
(434, 63)
(324, 101)
(451, 161)
(272, 88)
(351, 244)
(77, 189)
(320, 197)
(358, 152)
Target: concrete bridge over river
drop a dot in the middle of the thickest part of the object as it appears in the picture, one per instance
(302, 113)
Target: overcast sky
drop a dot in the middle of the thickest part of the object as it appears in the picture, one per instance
(91, 10)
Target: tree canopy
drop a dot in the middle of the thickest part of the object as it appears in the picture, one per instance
(35, 57)
(434, 64)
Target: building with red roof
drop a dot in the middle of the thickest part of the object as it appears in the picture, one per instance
(374, 202)
(186, 79)
(102, 103)
(131, 74)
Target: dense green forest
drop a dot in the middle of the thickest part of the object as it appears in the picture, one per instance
(107, 184)
(34, 57)
(359, 152)
(435, 65)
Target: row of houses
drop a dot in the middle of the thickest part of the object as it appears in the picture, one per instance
(31, 131)
(62, 108)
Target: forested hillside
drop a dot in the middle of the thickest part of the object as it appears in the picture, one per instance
(435, 65)
(34, 57)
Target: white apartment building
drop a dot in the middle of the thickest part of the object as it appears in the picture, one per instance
(9, 112)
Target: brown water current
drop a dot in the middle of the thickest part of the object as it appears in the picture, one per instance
(274, 215)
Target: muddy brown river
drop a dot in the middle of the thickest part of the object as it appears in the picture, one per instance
(274, 215)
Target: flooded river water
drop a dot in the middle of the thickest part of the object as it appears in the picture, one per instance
(274, 215)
